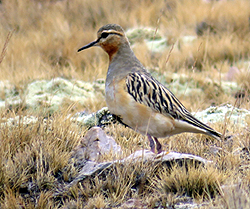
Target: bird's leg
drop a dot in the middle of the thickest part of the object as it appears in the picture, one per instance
(154, 141)
(151, 143)
(158, 145)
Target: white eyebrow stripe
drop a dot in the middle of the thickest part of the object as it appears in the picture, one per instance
(112, 32)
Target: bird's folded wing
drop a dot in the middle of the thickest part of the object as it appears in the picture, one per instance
(148, 91)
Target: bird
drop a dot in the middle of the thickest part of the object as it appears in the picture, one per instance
(138, 100)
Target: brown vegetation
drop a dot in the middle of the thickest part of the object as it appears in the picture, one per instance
(39, 40)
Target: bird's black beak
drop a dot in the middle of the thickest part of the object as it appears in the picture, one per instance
(94, 43)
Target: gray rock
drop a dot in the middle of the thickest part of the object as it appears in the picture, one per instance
(50, 94)
(8, 94)
(151, 36)
(182, 84)
(18, 120)
(92, 168)
(219, 114)
(95, 144)
(100, 118)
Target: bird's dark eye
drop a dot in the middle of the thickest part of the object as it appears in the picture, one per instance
(104, 35)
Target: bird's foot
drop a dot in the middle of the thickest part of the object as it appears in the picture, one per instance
(152, 142)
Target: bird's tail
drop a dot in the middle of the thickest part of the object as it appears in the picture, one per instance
(202, 128)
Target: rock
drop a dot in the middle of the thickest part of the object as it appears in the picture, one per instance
(91, 168)
(157, 45)
(232, 74)
(186, 203)
(236, 195)
(219, 114)
(182, 84)
(134, 203)
(95, 144)
(50, 94)
(154, 40)
(141, 33)
(152, 37)
(8, 94)
(100, 118)
(187, 40)
(16, 121)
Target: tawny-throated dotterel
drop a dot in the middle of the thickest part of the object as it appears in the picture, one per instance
(136, 98)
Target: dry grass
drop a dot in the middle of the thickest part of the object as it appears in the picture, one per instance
(39, 40)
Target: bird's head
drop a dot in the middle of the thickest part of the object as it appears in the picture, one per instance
(109, 37)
